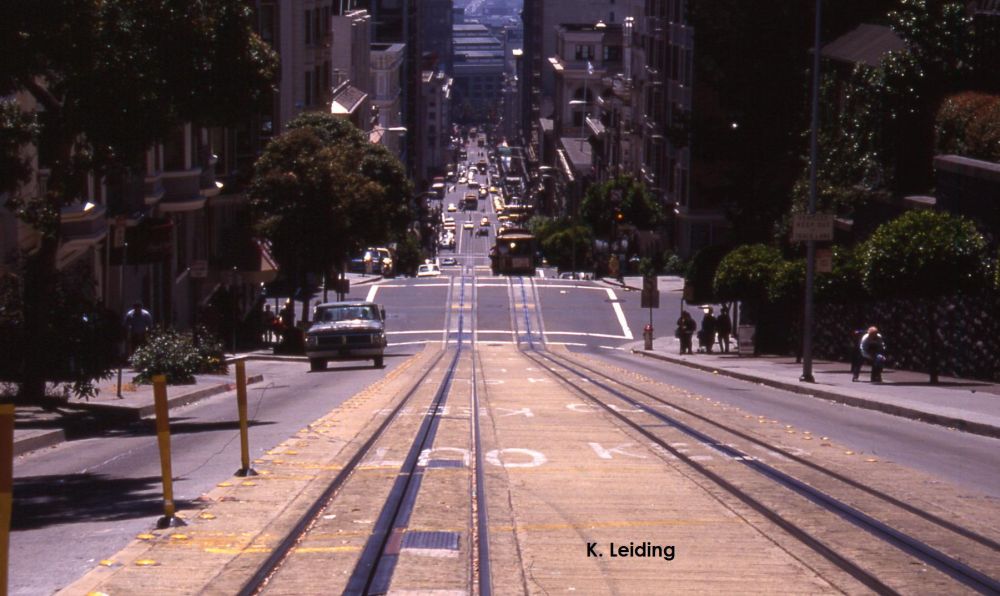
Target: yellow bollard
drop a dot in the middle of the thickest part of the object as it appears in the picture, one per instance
(163, 439)
(6, 487)
(241, 407)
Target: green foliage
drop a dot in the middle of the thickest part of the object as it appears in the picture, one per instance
(80, 337)
(563, 243)
(925, 254)
(16, 129)
(321, 192)
(409, 255)
(747, 273)
(179, 356)
(636, 206)
(789, 282)
(700, 273)
(843, 284)
(968, 124)
(674, 264)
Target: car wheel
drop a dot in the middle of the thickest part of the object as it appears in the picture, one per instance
(317, 364)
(379, 362)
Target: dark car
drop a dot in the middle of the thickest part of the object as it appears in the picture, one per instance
(352, 330)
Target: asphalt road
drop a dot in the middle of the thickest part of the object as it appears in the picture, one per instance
(82, 501)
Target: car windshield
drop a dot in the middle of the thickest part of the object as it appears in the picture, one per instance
(347, 313)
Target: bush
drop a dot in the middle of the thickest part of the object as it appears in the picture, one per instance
(789, 282)
(700, 274)
(177, 355)
(747, 273)
(673, 264)
(844, 284)
(925, 254)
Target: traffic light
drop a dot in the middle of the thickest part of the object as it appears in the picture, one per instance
(619, 216)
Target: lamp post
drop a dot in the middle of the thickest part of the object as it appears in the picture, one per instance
(807, 325)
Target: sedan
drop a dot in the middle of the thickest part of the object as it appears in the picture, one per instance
(449, 261)
(468, 225)
(462, 180)
(452, 208)
(428, 270)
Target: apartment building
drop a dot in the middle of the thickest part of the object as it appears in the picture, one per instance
(434, 155)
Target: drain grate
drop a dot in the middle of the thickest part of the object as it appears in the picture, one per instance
(438, 540)
(445, 463)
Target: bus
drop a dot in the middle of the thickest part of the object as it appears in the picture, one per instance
(513, 253)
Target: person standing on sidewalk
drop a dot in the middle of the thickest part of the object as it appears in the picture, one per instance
(706, 338)
(724, 327)
(873, 349)
(138, 322)
(685, 329)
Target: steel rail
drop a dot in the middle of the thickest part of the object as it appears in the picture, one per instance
(925, 515)
(948, 565)
(266, 570)
(482, 522)
(373, 572)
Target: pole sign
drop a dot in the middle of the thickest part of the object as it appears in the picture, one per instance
(824, 260)
(817, 227)
(650, 293)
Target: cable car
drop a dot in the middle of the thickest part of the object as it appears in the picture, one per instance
(513, 253)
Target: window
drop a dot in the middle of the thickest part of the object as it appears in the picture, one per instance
(612, 53)
(308, 28)
(584, 52)
(267, 23)
(309, 87)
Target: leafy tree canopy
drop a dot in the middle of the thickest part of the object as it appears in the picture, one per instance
(700, 274)
(844, 283)
(747, 273)
(968, 124)
(322, 192)
(925, 253)
(621, 195)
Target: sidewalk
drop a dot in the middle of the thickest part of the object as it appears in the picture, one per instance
(36, 428)
(967, 405)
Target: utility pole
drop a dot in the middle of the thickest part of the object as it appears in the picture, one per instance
(807, 325)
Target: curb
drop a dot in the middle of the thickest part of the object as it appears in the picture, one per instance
(977, 428)
(128, 413)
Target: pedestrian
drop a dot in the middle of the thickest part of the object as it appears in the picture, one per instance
(724, 328)
(706, 337)
(268, 320)
(856, 358)
(138, 322)
(685, 329)
(872, 348)
(287, 314)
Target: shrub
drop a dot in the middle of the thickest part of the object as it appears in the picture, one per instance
(674, 264)
(746, 273)
(700, 273)
(789, 282)
(844, 284)
(925, 254)
(177, 355)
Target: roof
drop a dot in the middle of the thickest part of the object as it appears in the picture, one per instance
(866, 44)
(578, 152)
(348, 100)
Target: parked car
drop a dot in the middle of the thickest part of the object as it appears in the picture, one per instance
(450, 261)
(353, 330)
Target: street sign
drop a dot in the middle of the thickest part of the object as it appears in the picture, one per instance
(650, 293)
(816, 226)
(824, 260)
(199, 269)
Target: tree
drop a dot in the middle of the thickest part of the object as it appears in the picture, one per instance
(621, 200)
(925, 255)
(322, 192)
(111, 77)
(968, 124)
(700, 274)
(746, 274)
(843, 284)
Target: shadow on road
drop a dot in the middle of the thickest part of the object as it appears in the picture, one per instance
(41, 501)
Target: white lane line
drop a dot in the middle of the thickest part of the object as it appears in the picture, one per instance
(500, 331)
(415, 332)
(611, 348)
(565, 343)
(618, 311)
(569, 287)
(587, 334)
(371, 294)
(411, 286)
(414, 343)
